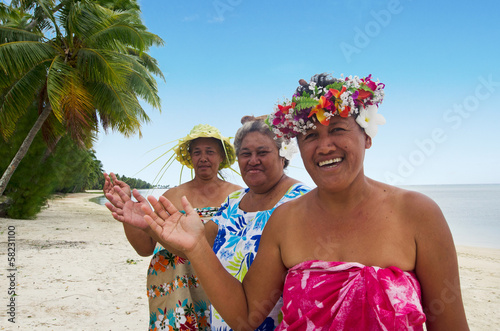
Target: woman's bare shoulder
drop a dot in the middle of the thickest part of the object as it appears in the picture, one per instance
(174, 194)
(400, 196)
(294, 207)
(230, 187)
(411, 205)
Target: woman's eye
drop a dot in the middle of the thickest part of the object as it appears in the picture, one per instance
(309, 136)
(338, 129)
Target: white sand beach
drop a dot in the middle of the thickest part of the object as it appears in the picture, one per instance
(74, 269)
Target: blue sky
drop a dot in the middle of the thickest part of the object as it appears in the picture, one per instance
(224, 59)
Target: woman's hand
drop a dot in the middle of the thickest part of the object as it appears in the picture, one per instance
(111, 181)
(182, 232)
(124, 209)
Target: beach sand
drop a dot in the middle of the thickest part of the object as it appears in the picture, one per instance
(75, 270)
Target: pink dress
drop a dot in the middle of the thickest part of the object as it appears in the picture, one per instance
(321, 295)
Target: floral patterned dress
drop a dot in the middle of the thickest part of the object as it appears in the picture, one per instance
(176, 299)
(237, 242)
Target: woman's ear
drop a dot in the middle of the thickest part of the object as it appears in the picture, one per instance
(368, 141)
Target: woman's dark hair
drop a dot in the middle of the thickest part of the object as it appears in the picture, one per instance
(253, 124)
(321, 80)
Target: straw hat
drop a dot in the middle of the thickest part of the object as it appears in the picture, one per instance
(204, 131)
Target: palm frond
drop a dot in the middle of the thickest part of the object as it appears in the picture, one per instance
(152, 39)
(78, 17)
(140, 81)
(20, 56)
(18, 97)
(119, 110)
(121, 5)
(122, 33)
(5, 13)
(44, 12)
(124, 27)
(99, 65)
(59, 75)
(144, 85)
(10, 34)
(71, 102)
(148, 62)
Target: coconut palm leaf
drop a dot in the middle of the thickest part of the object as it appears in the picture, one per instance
(18, 97)
(16, 34)
(97, 65)
(117, 109)
(20, 56)
(148, 62)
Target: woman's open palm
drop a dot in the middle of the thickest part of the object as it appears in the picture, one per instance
(182, 232)
(125, 210)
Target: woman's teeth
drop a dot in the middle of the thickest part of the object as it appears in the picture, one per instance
(330, 162)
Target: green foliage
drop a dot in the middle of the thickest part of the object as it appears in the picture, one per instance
(135, 182)
(304, 103)
(86, 62)
(41, 173)
(27, 195)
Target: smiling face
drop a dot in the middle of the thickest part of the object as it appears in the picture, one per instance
(260, 164)
(333, 155)
(206, 155)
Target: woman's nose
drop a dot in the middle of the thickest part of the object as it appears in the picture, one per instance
(326, 145)
(254, 159)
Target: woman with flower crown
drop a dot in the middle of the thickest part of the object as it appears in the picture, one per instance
(352, 254)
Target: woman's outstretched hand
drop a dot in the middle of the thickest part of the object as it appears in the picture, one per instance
(182, 232)
(110, 181)
(124, 209)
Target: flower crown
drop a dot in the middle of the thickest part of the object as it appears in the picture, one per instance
(324, 97)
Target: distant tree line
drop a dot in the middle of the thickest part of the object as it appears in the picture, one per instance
(135, 182)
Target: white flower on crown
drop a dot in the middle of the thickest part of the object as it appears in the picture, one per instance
(288, 149)
(369, 120)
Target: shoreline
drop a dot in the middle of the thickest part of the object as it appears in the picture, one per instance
(74, 268)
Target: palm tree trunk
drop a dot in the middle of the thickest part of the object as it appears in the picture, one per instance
(24, 148)
(50, 150)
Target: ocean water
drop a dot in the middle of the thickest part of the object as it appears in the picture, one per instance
(472, 211)
(156, 192)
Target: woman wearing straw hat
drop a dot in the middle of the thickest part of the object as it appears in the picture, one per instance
(175, 296)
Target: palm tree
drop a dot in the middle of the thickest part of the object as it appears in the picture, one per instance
(82, 64)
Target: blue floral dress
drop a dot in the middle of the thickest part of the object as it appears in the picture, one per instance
(237, 242)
